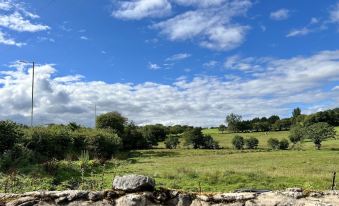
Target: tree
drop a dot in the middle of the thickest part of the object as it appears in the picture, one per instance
(238, 142)
(196, 139)
(10, 134)
(296, 112)
(272, 119)
(232, 121)
(297, 134)
(284, 144)
(172, 141)
(153, 134)
(111, 120)
(132, 138)
(251, 143)
(320, 131)
(273, 143)
(222, 128)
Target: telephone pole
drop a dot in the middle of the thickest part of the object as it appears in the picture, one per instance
(32, 113)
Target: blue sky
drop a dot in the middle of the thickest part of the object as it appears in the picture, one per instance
(168, 61)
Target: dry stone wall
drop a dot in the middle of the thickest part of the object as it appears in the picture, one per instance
(136, 190)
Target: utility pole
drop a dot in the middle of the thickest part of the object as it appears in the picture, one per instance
(32, 113)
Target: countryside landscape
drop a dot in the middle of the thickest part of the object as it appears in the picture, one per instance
(169, 102)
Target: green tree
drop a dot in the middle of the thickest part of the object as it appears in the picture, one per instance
(297, 134)
(10, 134)
(233, 121)
(320, 131)
(172, 141)
(238, 142)
(222, 128)
(251, 143)
(132, 138)
(284, 144)
(296, 112)
(111, 120)
(153, 134)
(273, 143)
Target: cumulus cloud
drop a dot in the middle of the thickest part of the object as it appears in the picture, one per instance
(280, 14)
(276, 88)
(8, 41)
(209, 23)
(138, 9)
(14, 16)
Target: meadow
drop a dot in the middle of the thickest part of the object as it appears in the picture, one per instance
(206, 170)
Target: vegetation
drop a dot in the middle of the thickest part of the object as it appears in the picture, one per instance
(73, 157)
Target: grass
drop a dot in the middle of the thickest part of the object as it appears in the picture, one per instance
(214, 170)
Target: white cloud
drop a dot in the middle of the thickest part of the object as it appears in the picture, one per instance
(9, 41)
(17, 22)
(179, 56)
(200, 3)
(334, 13)
(202, 101)
(298, 32)
(211, 64)
(280, 14)
(152, 66)
(138, 9)
(212, 27)
(84, 38)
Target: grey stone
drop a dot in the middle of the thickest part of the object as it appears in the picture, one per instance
(232, 197)
(184, 200)
(133, 183)
(22, 201)
(94, 196)
(197, 202)
(131, 200)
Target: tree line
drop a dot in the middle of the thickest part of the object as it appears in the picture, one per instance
(275, 123)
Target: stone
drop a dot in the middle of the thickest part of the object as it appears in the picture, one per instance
(23, 201)
(131, 200)
(232, 197)
(94, 196)
(198, 202)
(133, 183)
(184, 200)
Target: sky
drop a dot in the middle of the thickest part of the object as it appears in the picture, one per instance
(167, 61)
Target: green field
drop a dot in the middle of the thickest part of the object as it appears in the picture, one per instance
(214, 170)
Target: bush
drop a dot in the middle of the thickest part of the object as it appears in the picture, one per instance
(196, 139)
(153, 134)
(251, 143)
(133, 138)
(273, 143)
(111, 120)
(283, 144)
(48, 143)
(320, 131)
(10, 134)
(238, 142)
(172, 141)
(102, 144)
(297, 134)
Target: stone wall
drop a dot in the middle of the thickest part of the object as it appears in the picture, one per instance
(136, 190)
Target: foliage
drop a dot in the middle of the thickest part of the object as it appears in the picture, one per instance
(222, 128)
(273, 143)
(10, 134)
(172, 141)
(320, 131)
(153, 134)
(111, 120)
(132, 138)
(297, 134)
(195, 138)
(251, 143)
(284, 144)
(238, 142)
(232, 121)
(296, 112)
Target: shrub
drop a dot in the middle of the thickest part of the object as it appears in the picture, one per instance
(10, 134)
(238, 142)
(251, 143)
(273, 143)
(111, 120)
(153, 134)
(172, 141)
(297, 134)
(133, 138)
(196, 139)
(320, 131)
(210, 143)
(283, 144)
(102, 143)
(48, 143)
